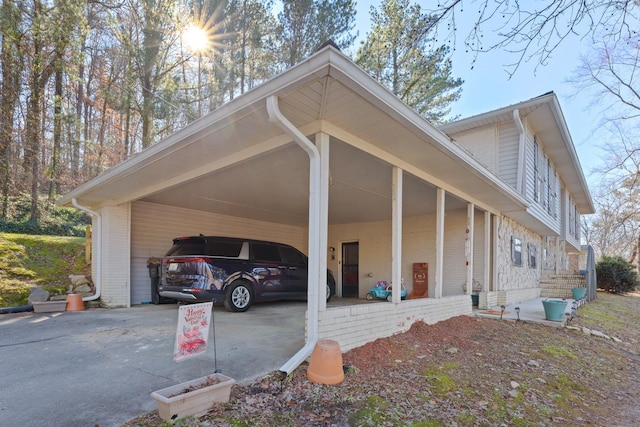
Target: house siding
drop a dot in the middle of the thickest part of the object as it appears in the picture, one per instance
(482, 144)
(508, 148)
(155, 226)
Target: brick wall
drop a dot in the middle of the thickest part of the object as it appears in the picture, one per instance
(559, 285)
(354, 326)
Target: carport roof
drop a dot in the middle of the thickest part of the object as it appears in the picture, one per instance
(325, 93)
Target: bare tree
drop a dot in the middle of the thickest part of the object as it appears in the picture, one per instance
(531, 30)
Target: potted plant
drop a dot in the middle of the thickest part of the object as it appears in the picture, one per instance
(194, 397)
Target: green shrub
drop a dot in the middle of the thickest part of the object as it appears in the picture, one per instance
(616, 275)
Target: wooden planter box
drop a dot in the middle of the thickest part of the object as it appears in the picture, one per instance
(174, 403)
(49, 306)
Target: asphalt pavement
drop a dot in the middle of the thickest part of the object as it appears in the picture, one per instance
(98, 366)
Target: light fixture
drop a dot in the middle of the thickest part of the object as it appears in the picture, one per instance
(502, 307)
(518, 314)
(333, 252)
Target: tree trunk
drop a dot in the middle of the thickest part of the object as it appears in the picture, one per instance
(57, 136)
(8, 98)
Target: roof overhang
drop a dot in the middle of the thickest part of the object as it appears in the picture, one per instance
(544, 116)
(230, 160)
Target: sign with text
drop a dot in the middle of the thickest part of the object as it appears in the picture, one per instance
(193, 330)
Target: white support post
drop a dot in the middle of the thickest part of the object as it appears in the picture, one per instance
(469, 246)
(439, 242)
(322, 142)
(487, 252)
(396, 235)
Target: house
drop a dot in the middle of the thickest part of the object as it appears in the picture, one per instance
(324, 158)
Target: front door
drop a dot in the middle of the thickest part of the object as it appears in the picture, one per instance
(350, 255)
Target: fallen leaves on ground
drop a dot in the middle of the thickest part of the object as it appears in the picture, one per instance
(465, 371)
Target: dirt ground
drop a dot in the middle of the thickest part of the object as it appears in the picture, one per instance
(465, 371)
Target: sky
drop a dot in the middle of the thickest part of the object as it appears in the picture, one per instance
(487, 86)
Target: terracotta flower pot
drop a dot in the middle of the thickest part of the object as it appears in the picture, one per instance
(325, 366)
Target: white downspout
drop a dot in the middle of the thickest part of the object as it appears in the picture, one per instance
(275, 116)
(521, 152)
(98, 253)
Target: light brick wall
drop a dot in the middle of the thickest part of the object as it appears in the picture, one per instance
(354, 326)
(115, 257)
(514, 296)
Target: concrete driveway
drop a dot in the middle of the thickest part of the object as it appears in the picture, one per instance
(98, 367)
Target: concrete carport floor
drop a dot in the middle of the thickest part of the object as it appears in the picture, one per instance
(98, 367)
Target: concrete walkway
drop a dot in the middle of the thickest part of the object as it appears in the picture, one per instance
(530, 311)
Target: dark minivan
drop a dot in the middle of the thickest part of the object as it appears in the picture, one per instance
(235, 271)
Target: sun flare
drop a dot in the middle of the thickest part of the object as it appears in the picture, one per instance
(196, 38)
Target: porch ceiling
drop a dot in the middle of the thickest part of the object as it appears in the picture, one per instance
(235, 162)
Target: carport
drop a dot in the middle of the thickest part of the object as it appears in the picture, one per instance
(319, 156)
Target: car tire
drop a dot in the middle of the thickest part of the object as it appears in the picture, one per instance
(238, 297)
(328, 293)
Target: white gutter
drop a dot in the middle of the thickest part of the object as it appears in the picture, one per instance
(275, 116)
(521, 151)
(94, 256)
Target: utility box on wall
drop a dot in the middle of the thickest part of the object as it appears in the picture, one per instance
(420, 280)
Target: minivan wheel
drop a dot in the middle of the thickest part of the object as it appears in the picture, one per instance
(328, 292)
(238, 297)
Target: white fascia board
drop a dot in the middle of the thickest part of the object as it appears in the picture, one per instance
(589, 208)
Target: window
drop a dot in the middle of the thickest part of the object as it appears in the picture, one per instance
(554, 196)
(516, 251)
(547, 199)
(536, 172)
(291, 256)
(223, 248)
(572, 219)
(533, 255)
(265, 252)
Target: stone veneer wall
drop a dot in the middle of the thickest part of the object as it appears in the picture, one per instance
(517, 283)
(356, 325)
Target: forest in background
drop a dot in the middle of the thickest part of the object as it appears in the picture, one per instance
(87, 84)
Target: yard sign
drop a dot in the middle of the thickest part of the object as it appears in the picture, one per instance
(193, 330)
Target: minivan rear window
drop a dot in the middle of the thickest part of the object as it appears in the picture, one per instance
(186, 247)
(202, 246)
